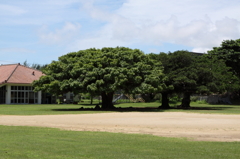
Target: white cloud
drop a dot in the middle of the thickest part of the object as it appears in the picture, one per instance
(197, 24)
(62, 26)
(94, 42)
(58, 36)
(31, 12)
(98, 39)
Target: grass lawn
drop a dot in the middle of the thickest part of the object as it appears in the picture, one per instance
(45, 109)
(48, 143)
(18, 142)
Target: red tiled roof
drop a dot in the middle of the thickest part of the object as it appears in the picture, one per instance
(18, 74)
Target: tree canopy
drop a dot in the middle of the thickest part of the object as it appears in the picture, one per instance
(103, 71)
(107, 70)
(229, 52)
(190, 73)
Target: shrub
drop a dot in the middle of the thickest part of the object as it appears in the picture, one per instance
(174, 99)
(194, 98)
(202, 102)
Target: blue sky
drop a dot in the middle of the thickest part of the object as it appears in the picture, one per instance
(41, 31)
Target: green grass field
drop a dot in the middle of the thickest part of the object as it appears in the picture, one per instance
(46, 109)
(45, 143)
(48, 143)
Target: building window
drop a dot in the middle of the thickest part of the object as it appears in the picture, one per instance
(23, 95)
(2, 95)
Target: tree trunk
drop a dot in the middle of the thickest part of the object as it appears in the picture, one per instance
(165, 101)
(107, 100)
(91, 98)
(186, 100)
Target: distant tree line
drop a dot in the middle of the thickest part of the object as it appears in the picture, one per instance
(104, 71)
(34, 65)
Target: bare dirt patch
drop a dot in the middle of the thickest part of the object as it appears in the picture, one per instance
(204, 127)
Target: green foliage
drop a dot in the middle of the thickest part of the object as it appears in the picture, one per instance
(58, 101)
(86, 95)
(157, 96)
(202, 102)
(174, 99)
(102, 72)
(191, 73)
(165, 60)
(229, 53)
(194, 98)
(213, 75)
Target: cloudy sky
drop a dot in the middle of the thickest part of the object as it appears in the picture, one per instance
(40, 31)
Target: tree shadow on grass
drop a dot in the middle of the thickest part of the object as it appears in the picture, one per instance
(117, 109)
(203, 108)
(137, 109)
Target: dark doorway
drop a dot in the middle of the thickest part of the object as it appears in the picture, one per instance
(3, 95)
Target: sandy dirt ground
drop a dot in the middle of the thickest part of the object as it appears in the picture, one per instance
(201, 127)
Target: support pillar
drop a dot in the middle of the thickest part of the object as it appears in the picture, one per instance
(68, 96)
(39, 97)
(8, 94)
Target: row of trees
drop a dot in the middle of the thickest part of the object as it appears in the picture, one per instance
(104, 71)
(189, 73)
(34, 65)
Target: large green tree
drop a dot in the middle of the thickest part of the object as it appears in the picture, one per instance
(182, 74)
(229, 52)
(103, 71)
(168, 89)
(202, 76)
(191, 73)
